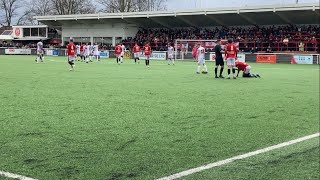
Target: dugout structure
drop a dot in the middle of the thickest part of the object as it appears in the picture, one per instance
(111, 28)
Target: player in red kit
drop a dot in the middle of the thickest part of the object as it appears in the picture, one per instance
(231, 57)
(246, 68)
(82, 48)
(136, 51)
(71, 54)
(195, 53)
(147, 53)
(117, 52)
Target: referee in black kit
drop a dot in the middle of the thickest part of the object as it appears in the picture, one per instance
(219, 59)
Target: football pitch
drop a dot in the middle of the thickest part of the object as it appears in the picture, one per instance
(106, 121)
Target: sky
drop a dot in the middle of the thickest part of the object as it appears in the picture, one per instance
(195, 4)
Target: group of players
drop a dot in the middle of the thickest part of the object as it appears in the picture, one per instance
(230, 56)
(87, 52)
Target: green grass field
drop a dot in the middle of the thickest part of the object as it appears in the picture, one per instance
(106, 121)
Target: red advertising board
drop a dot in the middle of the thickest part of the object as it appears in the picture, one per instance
(266, 58)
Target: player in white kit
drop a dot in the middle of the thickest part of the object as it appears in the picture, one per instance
(170, 54)
(122, 53)
(96, 52)
(40, 51)
(201, 60)
(87, 53)
(78, 52)
(91, 52)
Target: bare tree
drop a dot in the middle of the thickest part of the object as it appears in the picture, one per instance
(35, 8)
(8, 11)
(116, 6)
(63, 7)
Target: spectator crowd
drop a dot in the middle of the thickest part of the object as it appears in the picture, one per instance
(269, 38)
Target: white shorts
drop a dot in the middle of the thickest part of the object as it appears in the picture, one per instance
(231, 62)
(97, 53)
(247, 70)
(201, 60)
(71, 58)
(170, 56)
(147, 57)
(118, 55)
(122, 53)
(136, 55)
(39, 52)
(87, 54)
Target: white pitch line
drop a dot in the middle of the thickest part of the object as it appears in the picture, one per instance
(243, 156)
(14, 176)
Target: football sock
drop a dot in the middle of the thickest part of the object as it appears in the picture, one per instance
(135, 60)
(199, 67)
(216, 71)
(229, 70)
(234, 72)
(172, 61)
(205, 68)
(221, 71)
(168, 61)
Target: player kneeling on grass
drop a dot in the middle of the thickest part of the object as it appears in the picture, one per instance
(71, 54)
(201, 61)
(246, 68)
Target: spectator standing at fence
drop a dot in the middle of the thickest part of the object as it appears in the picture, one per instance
(301, 46)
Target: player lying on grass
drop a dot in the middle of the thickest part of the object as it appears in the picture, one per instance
(246, 68)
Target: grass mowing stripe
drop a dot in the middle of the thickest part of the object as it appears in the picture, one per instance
(15, 176)
(243, 156)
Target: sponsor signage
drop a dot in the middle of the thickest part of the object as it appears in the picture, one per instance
(155, 55)
(104, 54)
(17, 51)
(241, 57)
(302, 59)
(266, 59)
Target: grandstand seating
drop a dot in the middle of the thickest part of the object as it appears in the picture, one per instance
(249, 38)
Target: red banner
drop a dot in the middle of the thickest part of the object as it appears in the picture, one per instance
(266, 59)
